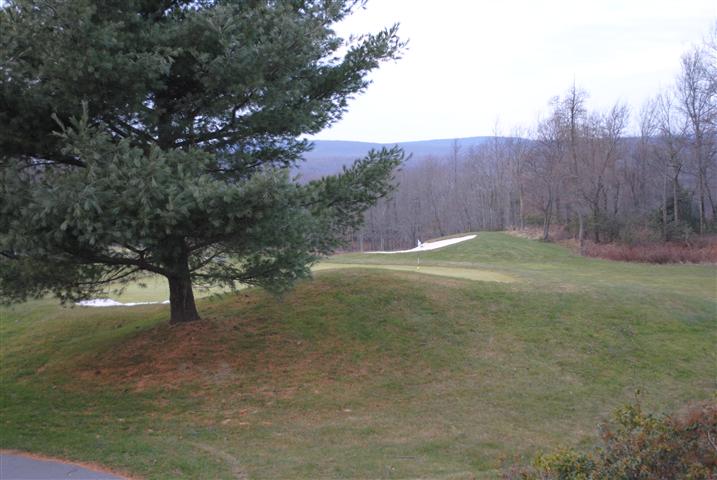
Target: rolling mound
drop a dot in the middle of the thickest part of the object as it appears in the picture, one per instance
(362, 372)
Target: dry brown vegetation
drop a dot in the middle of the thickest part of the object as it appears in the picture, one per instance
(639, 445)
(699, 250)
(218, 352)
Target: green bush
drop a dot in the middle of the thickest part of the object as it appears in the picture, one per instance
(565, 464)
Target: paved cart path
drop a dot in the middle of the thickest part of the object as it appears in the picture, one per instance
(21, 467)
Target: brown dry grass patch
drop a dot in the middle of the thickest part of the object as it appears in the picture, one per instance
(698, 251)
(245, 352)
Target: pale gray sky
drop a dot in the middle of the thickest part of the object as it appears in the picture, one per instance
(471, 63)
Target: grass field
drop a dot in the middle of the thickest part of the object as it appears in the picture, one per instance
(495, 349)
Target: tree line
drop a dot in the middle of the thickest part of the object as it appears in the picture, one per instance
(585, 170)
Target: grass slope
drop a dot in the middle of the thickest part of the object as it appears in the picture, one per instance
(363, 372)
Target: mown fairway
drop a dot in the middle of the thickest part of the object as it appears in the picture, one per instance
(501, 347)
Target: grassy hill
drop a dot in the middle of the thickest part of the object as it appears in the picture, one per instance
(495, 349)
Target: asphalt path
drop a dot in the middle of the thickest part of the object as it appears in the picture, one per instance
(20, 467)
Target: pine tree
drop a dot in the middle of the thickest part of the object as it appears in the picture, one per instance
(158, 136)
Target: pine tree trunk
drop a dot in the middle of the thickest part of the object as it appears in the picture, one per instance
(181, 299)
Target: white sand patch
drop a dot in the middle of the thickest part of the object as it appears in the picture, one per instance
(106, 302)
(423, 247)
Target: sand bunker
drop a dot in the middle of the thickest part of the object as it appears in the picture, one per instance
(433, 245)
(106, 302)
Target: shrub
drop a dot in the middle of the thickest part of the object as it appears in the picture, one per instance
(639, 446)
(694, 251)
(565, 464)
(642, 446)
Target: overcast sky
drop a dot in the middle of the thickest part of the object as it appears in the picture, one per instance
(473, 63)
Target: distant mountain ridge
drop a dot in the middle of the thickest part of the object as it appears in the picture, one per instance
(328, 156)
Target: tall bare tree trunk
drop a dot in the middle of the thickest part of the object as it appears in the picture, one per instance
(701, 181)
(664, 205)
(713, 206)
(581, 233)
(521, 200)
(546, 220)
(675, 200)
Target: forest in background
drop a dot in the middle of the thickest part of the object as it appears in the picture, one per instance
(586, 172)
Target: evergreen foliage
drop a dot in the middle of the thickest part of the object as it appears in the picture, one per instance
(157, 136)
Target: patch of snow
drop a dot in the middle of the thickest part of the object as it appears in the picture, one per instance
(422, 247)
(106, 302)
